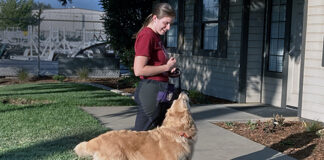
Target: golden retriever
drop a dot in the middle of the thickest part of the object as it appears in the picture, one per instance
(173, 140)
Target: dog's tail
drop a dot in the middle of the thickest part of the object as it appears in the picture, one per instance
(81, 150)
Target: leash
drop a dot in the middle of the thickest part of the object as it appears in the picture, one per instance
(179, 82)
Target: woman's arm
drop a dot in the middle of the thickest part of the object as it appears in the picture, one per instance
(142, 69)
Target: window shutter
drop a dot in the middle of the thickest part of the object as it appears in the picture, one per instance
(197, 27)
(223, 28)
(181, 5)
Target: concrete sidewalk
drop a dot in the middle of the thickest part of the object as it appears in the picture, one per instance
(214, 143)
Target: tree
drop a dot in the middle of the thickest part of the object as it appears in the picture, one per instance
(16, 13)
(123, 18)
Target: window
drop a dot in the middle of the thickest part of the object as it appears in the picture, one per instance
(210, 24)
(171, 39)
(278, 34)
(172, 34)
(211, 27)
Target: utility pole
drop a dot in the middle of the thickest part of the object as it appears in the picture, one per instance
(38, 38)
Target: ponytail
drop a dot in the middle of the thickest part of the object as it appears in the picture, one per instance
(160, 10)
(147, 21)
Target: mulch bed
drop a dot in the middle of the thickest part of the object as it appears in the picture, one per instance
(290, 138)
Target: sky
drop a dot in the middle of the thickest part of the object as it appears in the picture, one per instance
(85, 4)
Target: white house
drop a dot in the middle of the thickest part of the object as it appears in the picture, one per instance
(253, 51)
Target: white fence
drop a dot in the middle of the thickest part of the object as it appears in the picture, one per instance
(50, 42)
(107, 67)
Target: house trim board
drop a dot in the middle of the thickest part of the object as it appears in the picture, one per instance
(286, 56)
(302, 63)
(244, 51)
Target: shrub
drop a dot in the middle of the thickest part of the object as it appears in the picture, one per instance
(252, 125)
(197, 97)
(269, 127)
(229, 124)
(312, 126)
(23, 75)
(83, 73)
(127, 58)
(131, 81)
(320, 133)
(278, 120)
(60, 78)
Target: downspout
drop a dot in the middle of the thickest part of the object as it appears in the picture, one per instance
(302, 58)
(244, 51)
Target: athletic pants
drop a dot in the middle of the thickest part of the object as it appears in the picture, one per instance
(150, 96)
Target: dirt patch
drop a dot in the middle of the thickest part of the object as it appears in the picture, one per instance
(291, 138)
(22, 101)
(15, 80)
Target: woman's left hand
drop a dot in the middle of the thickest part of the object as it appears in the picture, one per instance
(175, 72)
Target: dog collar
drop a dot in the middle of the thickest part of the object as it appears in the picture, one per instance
(185, 135)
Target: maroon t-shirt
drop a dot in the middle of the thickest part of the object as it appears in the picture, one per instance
(149, 44)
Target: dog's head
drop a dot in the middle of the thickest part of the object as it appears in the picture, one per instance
(182, 103)
(179, 116)
(179, 105)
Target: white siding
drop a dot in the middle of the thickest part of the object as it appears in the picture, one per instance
(272, 89)
(294, 58)
(313, 91)
(213, 76)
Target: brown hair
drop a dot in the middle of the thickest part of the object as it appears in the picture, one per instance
(160, 10)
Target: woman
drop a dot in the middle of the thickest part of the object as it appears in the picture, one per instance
(154, 67)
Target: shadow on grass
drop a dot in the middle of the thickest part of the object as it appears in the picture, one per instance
(119, 101)
(42, 88)
(24, 107)
(49, 148)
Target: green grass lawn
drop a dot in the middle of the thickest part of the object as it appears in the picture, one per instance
(45, 121)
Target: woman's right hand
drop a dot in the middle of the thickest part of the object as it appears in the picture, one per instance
(171, 63)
